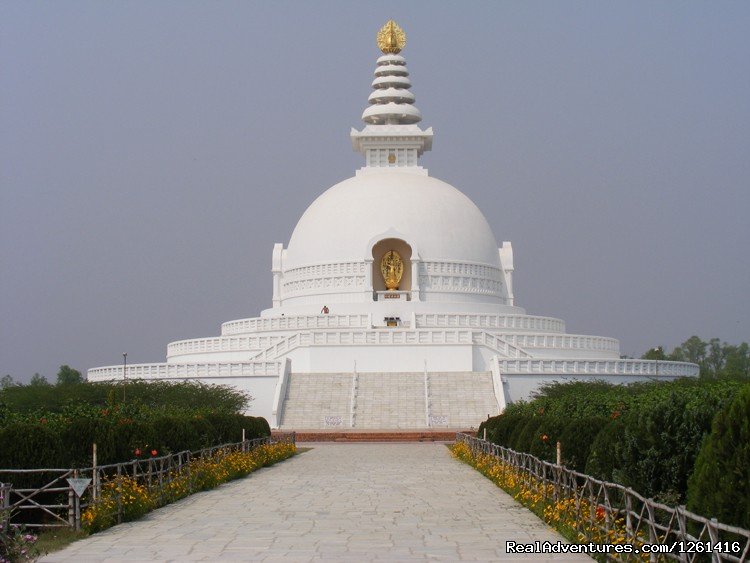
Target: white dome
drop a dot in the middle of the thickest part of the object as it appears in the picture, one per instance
(437, 220)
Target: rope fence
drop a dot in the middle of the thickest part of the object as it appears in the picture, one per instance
(603, 506)
(53, 502)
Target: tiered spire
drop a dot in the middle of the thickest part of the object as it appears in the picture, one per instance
(391, 102)
(391, 137)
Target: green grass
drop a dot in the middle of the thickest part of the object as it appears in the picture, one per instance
(57, 539)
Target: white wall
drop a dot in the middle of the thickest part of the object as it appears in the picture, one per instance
(338, 359)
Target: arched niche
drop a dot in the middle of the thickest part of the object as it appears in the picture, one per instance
(378, 251)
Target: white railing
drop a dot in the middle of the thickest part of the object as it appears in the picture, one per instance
(184, 371)
(257, 344)
(562, 341)
(391, 337)
(382, 337)
(280, 391)
(283, 346)
(303, 322)
(221, 344)
(499, 345)
(470, 320)
(649, 368)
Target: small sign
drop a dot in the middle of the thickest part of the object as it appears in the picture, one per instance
(333, 421)
(439, 420)
(79, 485)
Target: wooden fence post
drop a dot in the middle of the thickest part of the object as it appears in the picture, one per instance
(71, 507)
(119, 493)
(713, 533)
(77, 502)
(94, 475)
(5, 489)
(629, 533)
(652, 535)
(559, 454)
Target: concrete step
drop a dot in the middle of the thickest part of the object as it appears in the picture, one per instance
(377, 436)
(388, 400)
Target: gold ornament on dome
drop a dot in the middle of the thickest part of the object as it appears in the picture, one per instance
(391, 38)
(392, 268)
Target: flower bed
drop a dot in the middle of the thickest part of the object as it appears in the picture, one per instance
(15, 543)
(570, 516)
(124, 498)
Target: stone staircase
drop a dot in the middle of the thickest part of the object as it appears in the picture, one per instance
(463, 398)
(387, 401)
(390, 400)
(318, 400)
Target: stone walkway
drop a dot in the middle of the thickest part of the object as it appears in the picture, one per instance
(336, 502)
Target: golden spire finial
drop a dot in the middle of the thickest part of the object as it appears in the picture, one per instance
(391, 38)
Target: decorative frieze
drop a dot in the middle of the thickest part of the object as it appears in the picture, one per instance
(460, 278)
(323, 278)
(648, 368)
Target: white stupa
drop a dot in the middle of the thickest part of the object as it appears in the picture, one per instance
(392, 304)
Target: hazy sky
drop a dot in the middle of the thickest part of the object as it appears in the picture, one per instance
(151, 153)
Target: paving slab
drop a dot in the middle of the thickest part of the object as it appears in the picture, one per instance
(335, 502)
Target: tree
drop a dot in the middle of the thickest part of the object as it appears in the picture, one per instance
(737, 361)
(717, 356)
(655, 354)
(720, 484)
(68, 376)
(38, 379)
(692, 350)
(6, 381)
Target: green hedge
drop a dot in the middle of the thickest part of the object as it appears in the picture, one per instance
(67, 442)
(720, 484)
(170, 395)
(645, 435)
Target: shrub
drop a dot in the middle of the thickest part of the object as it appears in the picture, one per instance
(720, 484)
(186, 395)
(65, 440)
(603, 462)
(543, 443)
(576, 438)
(500, 428)
(523, 433)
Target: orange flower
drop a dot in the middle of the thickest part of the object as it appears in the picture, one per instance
(544, 438)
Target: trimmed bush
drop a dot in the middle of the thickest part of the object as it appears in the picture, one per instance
(645, 435)
(523, 433)
(187, 395)
(500, 428)
(543, 443)
(603, 462)
(65, 442)
(720, 485)
(577, 437)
